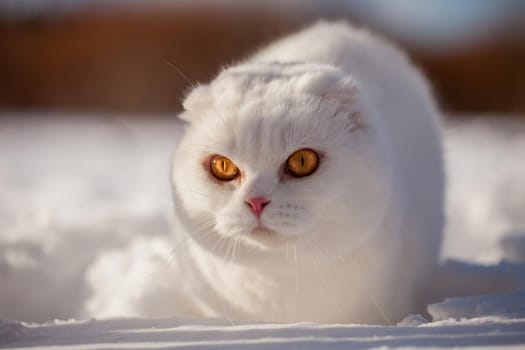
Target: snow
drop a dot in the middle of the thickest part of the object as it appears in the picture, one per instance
(178, 333)
(86, 214)
(71, 191)
(486, 191)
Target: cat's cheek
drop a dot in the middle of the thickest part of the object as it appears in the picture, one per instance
(288, 220)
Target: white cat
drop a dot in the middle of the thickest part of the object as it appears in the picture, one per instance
(310, 183)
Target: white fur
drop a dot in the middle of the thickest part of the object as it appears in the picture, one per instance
(354, 242)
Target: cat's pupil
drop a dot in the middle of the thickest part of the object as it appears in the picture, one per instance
(302, 161)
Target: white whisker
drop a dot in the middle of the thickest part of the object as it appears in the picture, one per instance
(181, 74)
(379, 308)
(296, 270)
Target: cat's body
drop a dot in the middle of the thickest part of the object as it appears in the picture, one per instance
(355, 240)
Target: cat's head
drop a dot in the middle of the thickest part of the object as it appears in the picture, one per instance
(280, 153)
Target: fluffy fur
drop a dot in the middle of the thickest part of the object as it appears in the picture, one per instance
(353, 242)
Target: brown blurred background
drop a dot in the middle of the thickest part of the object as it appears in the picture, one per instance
(111, 56)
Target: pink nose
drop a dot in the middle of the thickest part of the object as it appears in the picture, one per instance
(257, 204)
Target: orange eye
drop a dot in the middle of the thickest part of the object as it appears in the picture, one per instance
(222, 168)
(302, 163)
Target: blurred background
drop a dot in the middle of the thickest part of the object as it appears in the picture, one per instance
(109, 55)
(88, 104)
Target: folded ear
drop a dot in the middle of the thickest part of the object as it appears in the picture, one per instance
(329, 83)
(337, 88)
(346, 93)
(195, 102)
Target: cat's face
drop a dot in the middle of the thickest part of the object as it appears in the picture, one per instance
(275, 155)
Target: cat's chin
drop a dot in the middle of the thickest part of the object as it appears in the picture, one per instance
(268, 239)
(262, 231)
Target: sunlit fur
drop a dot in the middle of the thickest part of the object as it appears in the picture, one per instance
(352, 242)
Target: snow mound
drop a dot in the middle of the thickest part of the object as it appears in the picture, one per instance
(10, 331)
(73, 188)
(511, 305)
(486, 191)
